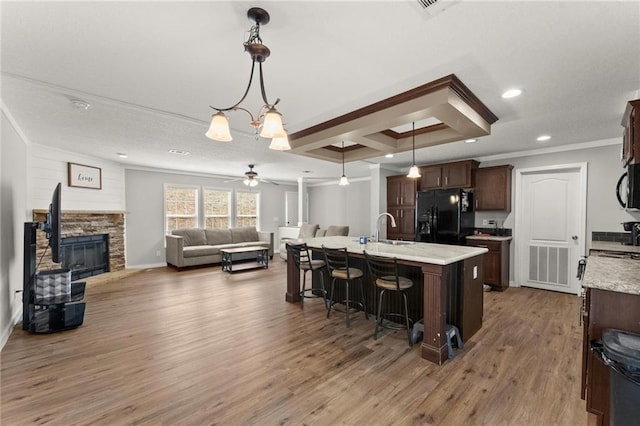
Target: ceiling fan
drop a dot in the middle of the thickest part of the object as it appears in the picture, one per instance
(251, 178)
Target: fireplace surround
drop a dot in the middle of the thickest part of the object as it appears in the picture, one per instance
(87, 223)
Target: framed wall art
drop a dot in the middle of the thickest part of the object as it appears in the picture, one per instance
(84, 176)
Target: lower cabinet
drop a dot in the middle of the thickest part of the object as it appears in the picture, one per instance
(603, 309)
(496, 261)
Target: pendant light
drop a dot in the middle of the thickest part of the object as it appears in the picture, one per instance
(268, 121)
(343, 180)
(414, 172)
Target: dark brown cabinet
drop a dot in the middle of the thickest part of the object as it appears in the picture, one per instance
(493, 188)
(401, 191)
(603, 309)
(458, 174)
(496, 262)
(401, 204)
(631, 133)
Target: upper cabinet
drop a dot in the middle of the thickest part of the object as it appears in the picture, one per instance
(401, 204)
(458, 174)
(401, 191)
(631, 133)
(493, 188)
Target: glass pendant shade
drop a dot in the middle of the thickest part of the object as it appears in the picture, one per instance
(219, 128)
(272, 124)
(343, 181)
(250, 182)
(414, 172)
(280, 142)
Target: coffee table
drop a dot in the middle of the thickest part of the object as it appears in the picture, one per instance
(262, 258)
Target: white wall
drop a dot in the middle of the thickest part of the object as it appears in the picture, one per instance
(145, 210)
(49, 166)
(14, 211)
(604, 169)
(350, 205)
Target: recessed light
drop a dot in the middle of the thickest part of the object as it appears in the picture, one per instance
(471, 140)
(543, 138)
(179, 152)
(122, 155)
(389, 156)
(511, 93)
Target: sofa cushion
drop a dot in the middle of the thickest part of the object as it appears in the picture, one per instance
(218, 236)
(308, 231)
(333, 231)
(191, 236)
(197, 251)
(241, 235)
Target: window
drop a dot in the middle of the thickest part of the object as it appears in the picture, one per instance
(217, 208)
(201, 207)
(181, 207)
(247, 209)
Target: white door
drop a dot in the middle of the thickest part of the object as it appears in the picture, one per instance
(550, 226)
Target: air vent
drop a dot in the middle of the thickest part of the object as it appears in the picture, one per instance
(433, 7)
(427, 3)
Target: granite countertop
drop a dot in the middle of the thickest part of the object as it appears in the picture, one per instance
(611, 246)
(607, 273)
(436, 254)
(489, 237)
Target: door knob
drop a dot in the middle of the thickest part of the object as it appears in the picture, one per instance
(574, 238)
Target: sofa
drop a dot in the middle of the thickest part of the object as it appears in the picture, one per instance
(197, 246)
(308, 231)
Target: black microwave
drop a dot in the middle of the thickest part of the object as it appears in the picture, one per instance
(628, 187)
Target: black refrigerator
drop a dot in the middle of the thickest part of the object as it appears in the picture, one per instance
(444, 216)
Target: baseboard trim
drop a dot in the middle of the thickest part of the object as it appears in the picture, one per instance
(6, 333)
(148, 266)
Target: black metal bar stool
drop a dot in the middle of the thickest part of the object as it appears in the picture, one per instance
(338, 263)
(387, 278)
(305, 263)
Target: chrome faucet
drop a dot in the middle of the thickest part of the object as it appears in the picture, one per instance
(393, 224)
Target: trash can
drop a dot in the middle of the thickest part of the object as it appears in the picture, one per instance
(621, 353)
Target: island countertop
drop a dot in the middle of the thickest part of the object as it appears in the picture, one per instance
(435, 254)
(606, 273)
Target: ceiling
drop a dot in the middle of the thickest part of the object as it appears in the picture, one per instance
(150, 71)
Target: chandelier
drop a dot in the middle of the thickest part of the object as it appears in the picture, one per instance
(268, 119)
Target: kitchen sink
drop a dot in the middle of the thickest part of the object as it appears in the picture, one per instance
(398, 242)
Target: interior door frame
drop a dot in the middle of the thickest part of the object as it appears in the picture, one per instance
(520, 248)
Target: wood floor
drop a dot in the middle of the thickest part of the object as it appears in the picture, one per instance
(203, 347)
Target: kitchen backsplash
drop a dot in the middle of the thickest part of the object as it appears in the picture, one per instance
(506, 232)
(617, 237)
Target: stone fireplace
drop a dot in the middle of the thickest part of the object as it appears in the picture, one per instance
(86, 223)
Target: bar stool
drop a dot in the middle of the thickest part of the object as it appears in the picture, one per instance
(338, 263)
(305, 263)
(387, 278)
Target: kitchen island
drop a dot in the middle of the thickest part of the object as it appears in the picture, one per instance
(451, 292)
